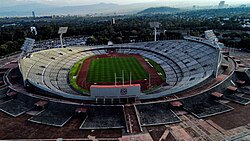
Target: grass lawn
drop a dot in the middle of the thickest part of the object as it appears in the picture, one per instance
(73, 72)
(158, 69)
(104, 69)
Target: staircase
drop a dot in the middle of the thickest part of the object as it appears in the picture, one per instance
(132, 121)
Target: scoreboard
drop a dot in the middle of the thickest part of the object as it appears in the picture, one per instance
(115, 91)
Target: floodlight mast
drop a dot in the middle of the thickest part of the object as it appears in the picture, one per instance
(219, 58)
(61, 40)
(26, 49)
(155, 25)
(28, 45)
(61, 31)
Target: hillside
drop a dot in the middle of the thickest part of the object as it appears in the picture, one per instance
(157, 10)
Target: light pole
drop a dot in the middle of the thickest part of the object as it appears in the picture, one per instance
(154, 25)
(61, 31)
(130, 78)
(149, 81)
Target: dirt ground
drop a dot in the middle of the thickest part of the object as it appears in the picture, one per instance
(233, 119)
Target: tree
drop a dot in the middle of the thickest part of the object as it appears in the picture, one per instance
(91, 40)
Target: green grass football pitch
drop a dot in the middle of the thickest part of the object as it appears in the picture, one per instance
(104, 69)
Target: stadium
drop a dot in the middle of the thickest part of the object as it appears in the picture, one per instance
(113, 91)
(131, 64)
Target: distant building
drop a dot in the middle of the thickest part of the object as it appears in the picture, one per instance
(33, 14)
(222, 4)
(113, 21)
(33, 30)
(226, 19)
(246, 25)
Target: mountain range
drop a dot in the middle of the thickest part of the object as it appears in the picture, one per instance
(11, 8)
(100, 8)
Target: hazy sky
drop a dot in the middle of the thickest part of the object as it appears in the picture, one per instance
(170, 2)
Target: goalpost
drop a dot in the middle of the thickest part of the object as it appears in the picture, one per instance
(122, 78)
